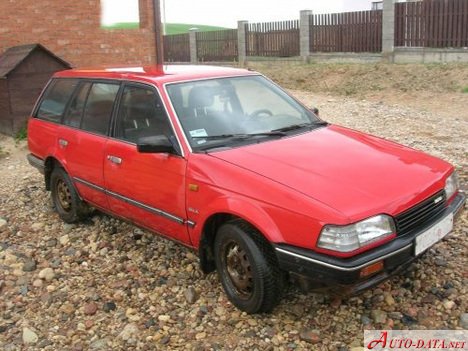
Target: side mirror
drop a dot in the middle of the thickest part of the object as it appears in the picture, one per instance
(315, 110)
(157, 144)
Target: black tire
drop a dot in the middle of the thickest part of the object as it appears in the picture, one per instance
(247, 268)
(67, 203)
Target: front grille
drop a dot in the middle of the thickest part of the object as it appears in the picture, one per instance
(423, 213)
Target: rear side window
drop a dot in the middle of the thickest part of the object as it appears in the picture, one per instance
(75, 110)
(98, 109)
(55, 99)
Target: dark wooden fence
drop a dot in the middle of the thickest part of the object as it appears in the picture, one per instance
(273, 39)
(218, 45)
(432, 23)
(177, 48)
(346, 32)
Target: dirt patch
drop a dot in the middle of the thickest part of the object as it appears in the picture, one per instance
(438, 88)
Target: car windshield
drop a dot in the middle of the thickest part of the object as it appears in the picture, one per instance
(225, 112)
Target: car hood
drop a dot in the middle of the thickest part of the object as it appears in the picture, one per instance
(357, 174)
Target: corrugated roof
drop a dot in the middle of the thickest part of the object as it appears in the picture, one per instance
(13, 57)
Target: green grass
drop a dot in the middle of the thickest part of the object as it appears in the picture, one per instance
(171, 28)
(179, 28)
(123, 25)
(21, 135)
(465, 90)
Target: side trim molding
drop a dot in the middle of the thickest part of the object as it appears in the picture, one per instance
(135, 203)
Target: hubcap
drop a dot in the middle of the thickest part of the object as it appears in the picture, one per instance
(239, 270)
(64, 196)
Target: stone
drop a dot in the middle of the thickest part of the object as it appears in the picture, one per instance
(395, 315)
(191, 295)
(47, 274)
(38, 283)
(448, 304)
(37, 226)
(109, 306)
(389, 300)
(379, 316)
(164, 318)
(311, 336)
(29, 336)
(90, 309)
(29, 265)
(200, 336)
(365, 320)
(3, 223)
(64, 240)
(129, 331)
(464, 320)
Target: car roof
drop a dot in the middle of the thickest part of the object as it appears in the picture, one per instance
(157, 74)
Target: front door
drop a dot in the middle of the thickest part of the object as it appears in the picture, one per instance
(146, 188)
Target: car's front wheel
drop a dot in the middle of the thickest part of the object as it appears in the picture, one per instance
(67, 203)
(247, 268)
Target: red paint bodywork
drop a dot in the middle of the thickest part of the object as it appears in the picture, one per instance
(287, 188)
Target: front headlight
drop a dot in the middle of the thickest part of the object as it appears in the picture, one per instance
(354, 236)
(451, 185)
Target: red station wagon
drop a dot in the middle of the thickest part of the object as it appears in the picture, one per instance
(224, 161)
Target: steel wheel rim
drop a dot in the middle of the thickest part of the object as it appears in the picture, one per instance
(238, 269)
(64, 195)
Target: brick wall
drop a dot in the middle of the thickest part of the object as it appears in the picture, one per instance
(72, 30)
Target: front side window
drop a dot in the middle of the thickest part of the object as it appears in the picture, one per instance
(98, 108)
(55, 99)
(141, 115)
(228, 111)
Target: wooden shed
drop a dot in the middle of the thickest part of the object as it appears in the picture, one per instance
(24, 70)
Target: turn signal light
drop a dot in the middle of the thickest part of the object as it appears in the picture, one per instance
(371, 269)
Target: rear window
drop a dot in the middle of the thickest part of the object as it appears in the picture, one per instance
(55, 99)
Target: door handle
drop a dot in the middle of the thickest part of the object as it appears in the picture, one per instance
(63, 142)
(114, 159)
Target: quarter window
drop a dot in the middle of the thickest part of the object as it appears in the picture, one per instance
(141, 114)
(99, 107)
(55, 99)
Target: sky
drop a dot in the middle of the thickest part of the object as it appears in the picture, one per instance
(227, 13)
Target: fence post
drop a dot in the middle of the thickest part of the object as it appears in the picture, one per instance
(193, 45)
(388, 29)
(242, 42)
(304, 32)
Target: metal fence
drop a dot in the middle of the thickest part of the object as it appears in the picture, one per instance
(274, 39)
(218, 45)
(432, 23)
(177, 48)
(346, 32)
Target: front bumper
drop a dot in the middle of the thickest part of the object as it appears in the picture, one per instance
(343, 275)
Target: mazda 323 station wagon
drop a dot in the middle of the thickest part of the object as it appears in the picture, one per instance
(226, 162)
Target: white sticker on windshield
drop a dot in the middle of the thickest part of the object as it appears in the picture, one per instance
(198, 133)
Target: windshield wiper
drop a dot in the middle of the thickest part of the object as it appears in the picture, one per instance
(300, 126)
(240, 136)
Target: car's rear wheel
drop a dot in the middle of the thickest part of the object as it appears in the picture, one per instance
(247, 268)
(67, 203)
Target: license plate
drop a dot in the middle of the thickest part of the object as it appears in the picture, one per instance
(433, 234)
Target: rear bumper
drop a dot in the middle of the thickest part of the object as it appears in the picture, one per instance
(344, 274)
(36, 162)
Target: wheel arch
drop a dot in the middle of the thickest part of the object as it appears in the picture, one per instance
(258, 219)
(49, 164)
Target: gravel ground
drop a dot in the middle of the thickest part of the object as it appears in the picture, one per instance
(106, 285)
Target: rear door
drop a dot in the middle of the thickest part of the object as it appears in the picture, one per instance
(83, 136)
(148, 188)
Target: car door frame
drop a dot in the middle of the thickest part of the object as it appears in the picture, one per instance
(134, 202)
